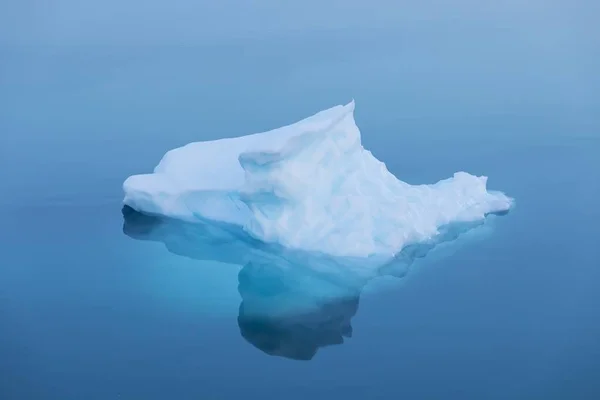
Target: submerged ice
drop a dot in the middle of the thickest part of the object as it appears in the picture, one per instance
(309, 186)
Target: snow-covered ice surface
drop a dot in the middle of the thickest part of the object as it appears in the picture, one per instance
(309, 186)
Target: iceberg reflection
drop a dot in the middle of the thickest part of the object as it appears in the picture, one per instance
(267, 321)
(293, 303)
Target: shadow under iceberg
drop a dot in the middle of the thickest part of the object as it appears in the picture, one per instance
(293, 302)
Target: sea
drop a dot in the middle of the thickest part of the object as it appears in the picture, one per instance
(98, 302)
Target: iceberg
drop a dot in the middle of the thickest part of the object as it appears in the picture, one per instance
(309, 186)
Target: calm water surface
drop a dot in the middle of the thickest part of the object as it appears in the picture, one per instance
(97, 302)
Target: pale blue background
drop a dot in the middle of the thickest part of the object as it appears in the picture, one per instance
(91, 92)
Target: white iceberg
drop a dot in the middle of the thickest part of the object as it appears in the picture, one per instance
(309, 186)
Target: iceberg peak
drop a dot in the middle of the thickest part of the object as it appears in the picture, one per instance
(310, 186)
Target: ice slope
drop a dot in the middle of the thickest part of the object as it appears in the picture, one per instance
(309, 186)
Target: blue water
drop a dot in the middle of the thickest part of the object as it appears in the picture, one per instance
(97, 302)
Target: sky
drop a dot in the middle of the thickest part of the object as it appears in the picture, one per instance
(190, 22)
